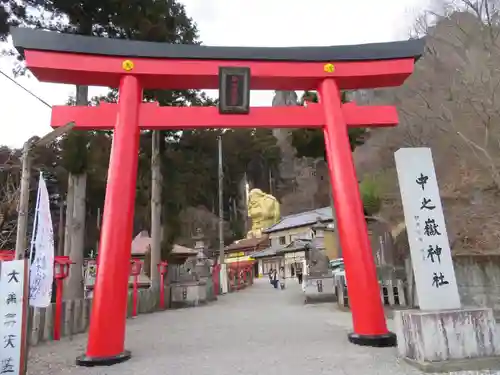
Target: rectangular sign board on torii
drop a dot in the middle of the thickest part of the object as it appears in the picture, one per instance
(234, 90)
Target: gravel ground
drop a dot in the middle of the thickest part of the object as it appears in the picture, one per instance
(259, 330)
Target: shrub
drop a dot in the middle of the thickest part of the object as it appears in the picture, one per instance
(370, 196)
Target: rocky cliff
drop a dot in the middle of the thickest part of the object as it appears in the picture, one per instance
(303, 183)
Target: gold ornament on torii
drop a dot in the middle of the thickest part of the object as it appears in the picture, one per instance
(263, 210)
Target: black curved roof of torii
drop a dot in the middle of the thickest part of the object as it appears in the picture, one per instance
(30, 39)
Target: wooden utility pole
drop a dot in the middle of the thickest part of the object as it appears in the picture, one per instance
(156, 230)
(76, 214)
(24, 196)
(270, 181)
(246, 191)
(98, 228)
(74, 288)
(60, 230)
(69, 215)
(221, 206)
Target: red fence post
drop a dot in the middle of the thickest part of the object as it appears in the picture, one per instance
(61, 271)
(238, 278)
(162, 270)
(232, 278)
(6, 255)
(216, 278)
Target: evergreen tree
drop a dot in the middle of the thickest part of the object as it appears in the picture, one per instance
(189, 158)
(12, 13)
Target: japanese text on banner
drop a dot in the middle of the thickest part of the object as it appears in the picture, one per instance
(42, 267)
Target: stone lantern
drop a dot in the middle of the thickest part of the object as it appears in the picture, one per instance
(202, 262)
(199, 245)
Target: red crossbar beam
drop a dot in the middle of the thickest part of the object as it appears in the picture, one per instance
(152, 116)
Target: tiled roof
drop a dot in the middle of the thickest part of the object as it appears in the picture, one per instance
(269, 252)
(302, 219)
(141, 243)
(178, 249)
(295, 245)
(246, 243)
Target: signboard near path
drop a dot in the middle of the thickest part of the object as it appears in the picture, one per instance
(429, 246)
(12, 303)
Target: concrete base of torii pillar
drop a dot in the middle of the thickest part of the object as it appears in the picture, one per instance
(448, 340)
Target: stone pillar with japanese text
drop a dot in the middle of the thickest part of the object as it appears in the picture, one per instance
(429, 246)
(12, 309)
(441, 335)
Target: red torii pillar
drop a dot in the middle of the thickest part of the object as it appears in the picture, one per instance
(96, 61)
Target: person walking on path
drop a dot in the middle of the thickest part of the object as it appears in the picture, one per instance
(282, 278)
(276, 279)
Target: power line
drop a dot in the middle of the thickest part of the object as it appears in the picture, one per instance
(24, 88)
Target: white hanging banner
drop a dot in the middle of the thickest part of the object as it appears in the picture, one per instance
(12, 279)
(42, 266)
(429, 246)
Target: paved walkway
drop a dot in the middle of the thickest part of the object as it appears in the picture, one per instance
(259, 330)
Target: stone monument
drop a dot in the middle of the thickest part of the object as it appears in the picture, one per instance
(441, 336)
(317, 261)
(318, 281)
(190, 289)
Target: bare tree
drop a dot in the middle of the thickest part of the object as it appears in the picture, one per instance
(452, 104)
(455, 96)
(459, 88)
(9, 198)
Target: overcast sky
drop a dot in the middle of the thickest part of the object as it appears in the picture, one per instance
(231, 23)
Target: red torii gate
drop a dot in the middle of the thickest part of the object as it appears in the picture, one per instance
(133, 66)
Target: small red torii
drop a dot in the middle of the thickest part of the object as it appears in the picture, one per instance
(133, 66)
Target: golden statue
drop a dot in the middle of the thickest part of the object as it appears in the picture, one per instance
(264, 210)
